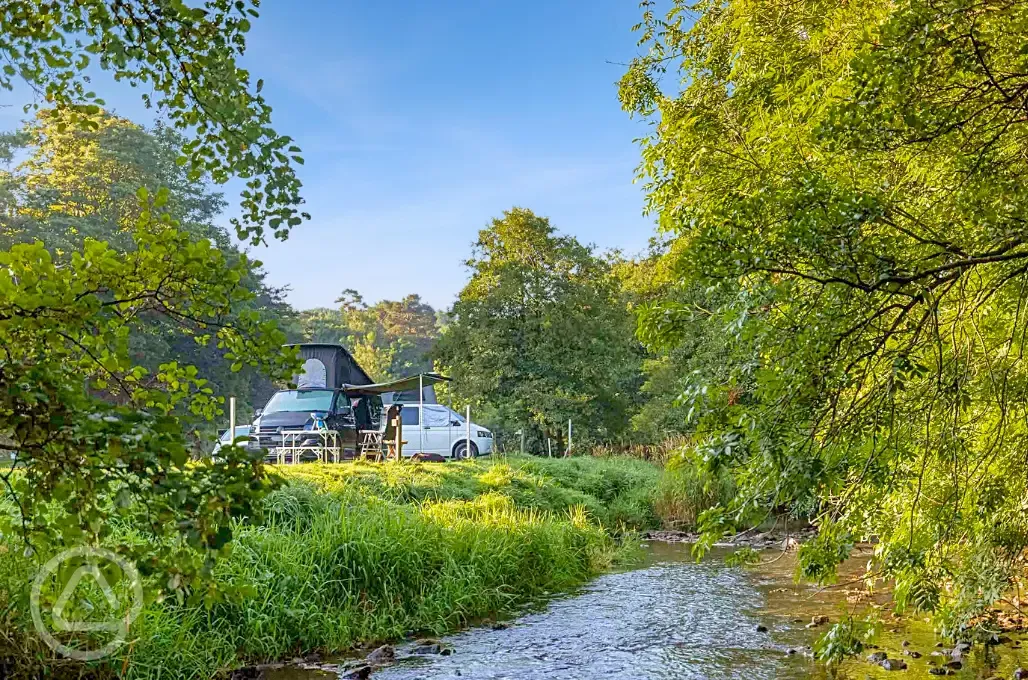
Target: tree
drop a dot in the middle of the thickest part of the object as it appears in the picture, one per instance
(75, 184)
(412, 327)
(541, 334)
(187, 55)
(856, 173)
(90, 426)
(685, 330)
(81, 182)
(389, 339)
(65, 330)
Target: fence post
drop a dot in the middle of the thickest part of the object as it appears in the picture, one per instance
(467, 447)
(569, 438)
(232, 421)
(549, 448)
(421, 414)
(522, 433)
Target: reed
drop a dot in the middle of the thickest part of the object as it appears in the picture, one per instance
(684, 491)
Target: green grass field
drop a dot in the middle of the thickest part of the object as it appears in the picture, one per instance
(358, 553)
(616, 493)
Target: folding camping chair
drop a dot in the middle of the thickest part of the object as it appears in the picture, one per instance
(371, 445)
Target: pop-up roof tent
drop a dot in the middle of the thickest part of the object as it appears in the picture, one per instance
(332, 367)
(329, 366)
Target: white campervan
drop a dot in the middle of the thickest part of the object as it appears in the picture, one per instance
(436, 430)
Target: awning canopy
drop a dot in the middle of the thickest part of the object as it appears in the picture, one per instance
(401, 385)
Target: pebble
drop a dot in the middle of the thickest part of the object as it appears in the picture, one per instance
(360, 673)
(383, 654)
(817, 620)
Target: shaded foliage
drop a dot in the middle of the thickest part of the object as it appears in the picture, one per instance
(76, 183)
(75, 318)
(852, 175)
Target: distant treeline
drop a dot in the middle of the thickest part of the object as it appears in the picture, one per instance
(542, 333)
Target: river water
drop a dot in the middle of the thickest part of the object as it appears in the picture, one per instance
(671, 617)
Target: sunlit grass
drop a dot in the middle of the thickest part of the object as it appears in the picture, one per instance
(616, 493)
(357, 553)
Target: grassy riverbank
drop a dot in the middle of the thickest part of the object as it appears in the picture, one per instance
(357, 553)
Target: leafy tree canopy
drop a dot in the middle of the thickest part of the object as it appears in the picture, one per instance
(389, 339)
(683, 328)
(542, 334)
(65, 330)
(186, 59)
(78, 183)
(852, 176)
(86, 273)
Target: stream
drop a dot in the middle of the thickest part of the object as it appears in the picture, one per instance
(670, 617)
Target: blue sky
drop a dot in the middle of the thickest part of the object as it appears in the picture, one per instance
(420, 121)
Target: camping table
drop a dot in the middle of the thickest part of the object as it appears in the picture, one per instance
(292, 442)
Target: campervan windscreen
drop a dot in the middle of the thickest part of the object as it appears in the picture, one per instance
(300, 400)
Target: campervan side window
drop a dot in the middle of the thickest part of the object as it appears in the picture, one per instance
(410, 415)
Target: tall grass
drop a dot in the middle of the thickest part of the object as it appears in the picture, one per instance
(616, 493)
(684, 491)
(359, 553)
(352, 554)
(351, 569)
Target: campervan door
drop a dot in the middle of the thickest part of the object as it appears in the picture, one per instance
(433, 433)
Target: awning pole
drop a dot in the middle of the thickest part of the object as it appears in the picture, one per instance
(421, 410)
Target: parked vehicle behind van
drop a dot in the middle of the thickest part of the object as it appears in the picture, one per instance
(435, 430)
(242, 433)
